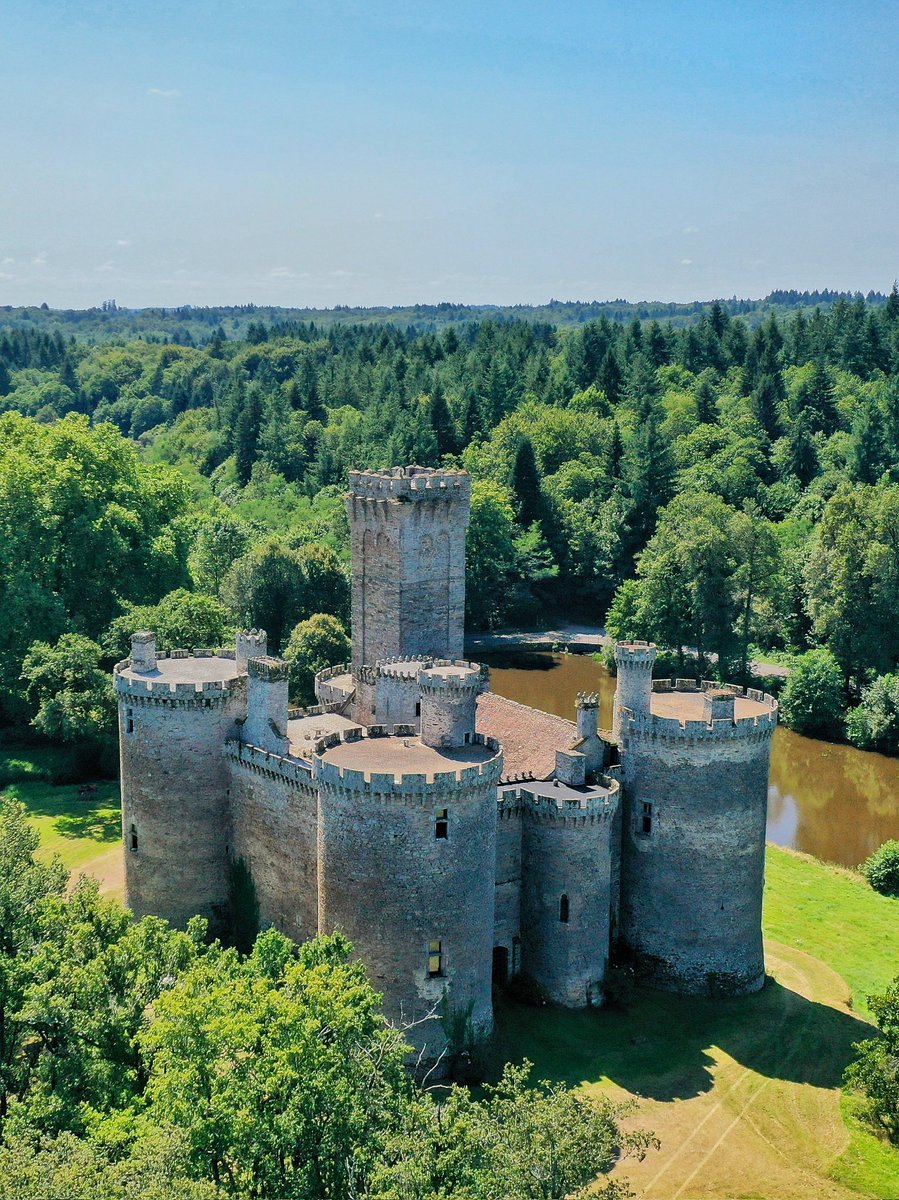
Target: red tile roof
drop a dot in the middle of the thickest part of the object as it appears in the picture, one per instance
(529, 737)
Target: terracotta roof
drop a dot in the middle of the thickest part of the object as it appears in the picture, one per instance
(529, 737)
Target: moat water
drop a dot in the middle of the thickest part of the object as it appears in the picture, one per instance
(835, 802)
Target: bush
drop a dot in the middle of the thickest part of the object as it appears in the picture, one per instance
(314, 644)
(881, 869)
(874, 724)
(812, 700)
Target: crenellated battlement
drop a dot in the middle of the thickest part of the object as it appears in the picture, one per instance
(409, 483)
(708, 728)
(564, 808)
(292, 771)
(414, 784)
(399, 667)
(458, 676)
(587, 700)
(163, 690)
(635, 656)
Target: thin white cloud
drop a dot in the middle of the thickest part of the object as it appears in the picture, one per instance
(686, 262)
(40, 260)
(281, 273)
(7, 262)
(123, 242)
(691, 229)
(165, 93)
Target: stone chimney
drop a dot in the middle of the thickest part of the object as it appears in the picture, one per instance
(143, 651)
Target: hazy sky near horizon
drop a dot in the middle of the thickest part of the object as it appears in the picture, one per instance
(309, 153)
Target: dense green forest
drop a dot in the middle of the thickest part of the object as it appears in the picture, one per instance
(714, 482)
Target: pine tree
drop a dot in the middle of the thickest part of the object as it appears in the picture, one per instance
(765, 405)
(611, 378)
(442, 421)
(867, 453)
(648, 469)
(641, 387)
(526, 486)
(246, 433)
(614, 453)
(5, 379)
(706, 400)
(802, 456)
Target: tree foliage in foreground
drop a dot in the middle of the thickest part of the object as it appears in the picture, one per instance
(875, 1072)
(138, 1061)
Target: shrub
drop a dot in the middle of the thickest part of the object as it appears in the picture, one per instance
(812, 700)
(314, 644)
(874, 724)
(881, 869)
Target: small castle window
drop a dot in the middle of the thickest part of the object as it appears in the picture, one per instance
(435, 959)
(645, 827)
(129, 728)
(132, 840)
(418, 709)
(563, 908)
(441, 824)
(467, 739)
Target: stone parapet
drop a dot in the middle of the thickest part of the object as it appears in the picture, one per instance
(594, 805)
(291, 771)
(466, 677)
(164, 691)
(409, 483)
(408, 784)
(757, 726)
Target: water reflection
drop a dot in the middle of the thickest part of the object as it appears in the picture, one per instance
(835, 802)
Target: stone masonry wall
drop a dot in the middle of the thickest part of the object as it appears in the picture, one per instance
(393, 887)
(407, 531)
(566, 855)
(175, 795)
(691, 889)
(275, 816)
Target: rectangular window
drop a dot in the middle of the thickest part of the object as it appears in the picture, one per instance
(441, 824)
(418, 709)
(130, 725)
(132, 840)
(435, 959)
(645, 826)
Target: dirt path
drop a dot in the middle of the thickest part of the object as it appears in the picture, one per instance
(583, 638)
(109, 869)
(770, 1125)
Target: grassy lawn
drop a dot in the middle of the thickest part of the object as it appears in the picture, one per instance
(745, 1094)
(78, 828)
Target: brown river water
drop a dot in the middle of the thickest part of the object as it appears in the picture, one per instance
(835, 802)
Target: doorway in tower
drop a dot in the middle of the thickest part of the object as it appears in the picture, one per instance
(500, 966)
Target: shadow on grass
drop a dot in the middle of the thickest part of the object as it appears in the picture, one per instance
(72, 814)
(660, 1047)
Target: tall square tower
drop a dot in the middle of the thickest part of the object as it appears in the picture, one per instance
(408, 529)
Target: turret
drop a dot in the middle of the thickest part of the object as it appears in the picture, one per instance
(251, 643)
(407, 529)
(266, 723)
(143, 651)
(634, 688)
(587, 708)
(449, 696)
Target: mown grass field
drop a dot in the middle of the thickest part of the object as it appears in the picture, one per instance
(745, 1095)
(79, 828)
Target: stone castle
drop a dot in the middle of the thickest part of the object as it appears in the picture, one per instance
(458, 838)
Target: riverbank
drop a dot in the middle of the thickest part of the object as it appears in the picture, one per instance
(581, 639)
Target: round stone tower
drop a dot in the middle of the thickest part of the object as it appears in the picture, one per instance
(407, 862)
(407, 530)
(634, 661)
(566, 859)
(449, 697)
(175, 712)
(695, 764)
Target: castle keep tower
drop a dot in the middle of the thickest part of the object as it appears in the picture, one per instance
(407, 529)
(695, 763)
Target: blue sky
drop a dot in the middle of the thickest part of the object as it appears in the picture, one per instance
(302, 152)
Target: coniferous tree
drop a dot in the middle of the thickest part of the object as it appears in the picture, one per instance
(246, 433)
(706, 400)
(442, 421)
(526, 485)
(610, 377)
(765, 405)
(867, 454)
